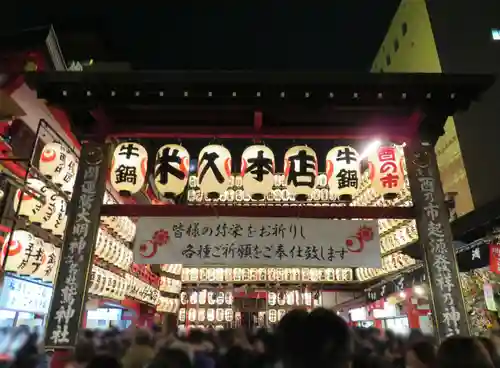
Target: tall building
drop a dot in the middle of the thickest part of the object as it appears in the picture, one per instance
(450, 36)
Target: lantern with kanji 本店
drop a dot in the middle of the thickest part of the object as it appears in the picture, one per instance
(301, 169)
(343, 172)
(31, 204)
(53, 160)
(385, 167)
(128, 168)
(257, 171)
(171, 170)
(214, 170)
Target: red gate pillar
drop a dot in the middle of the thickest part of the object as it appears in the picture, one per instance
(436, 239)
(70, 291)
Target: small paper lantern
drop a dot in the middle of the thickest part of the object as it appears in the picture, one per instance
(68, 174)
(48, 210)
(53, 160)
(57, 222)
(19, 240)
(42, 270)
(386, 172)
(301, 169)
(52, 255)
(171, 170)
(128, 168)
(30, 206)
(343, 172)
(257, 171)
(214, 170)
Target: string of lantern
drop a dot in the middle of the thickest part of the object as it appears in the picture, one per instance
(172, 269)
(170, 285)
(395, 262)
(407, 270)
(141, 291)
(113, 250)
(168, 305)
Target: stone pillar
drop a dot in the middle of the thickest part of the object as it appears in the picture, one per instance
(432, 216)
(77, 252)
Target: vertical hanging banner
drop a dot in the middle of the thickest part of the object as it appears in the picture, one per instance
(70, 291)
(450, 317)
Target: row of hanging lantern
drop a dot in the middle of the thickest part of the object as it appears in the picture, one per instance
(171, 170)
(400, 237)
(174, 269)
(107, 284)
(266, 274)
(30, 256)
(204, 296)
(168, 305)
(113, 250)
(141, 291)
(120, 227)
(391, 263)
(170, 285)
(206, 315)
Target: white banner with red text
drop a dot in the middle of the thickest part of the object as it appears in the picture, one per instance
(257, 241)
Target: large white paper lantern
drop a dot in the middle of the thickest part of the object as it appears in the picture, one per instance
(386, 172)
(25, 253)
(301, 169)
(42, 270)
(343, 172)
(53, 160)
(171, 172)
(57, 222)
(128, 168)
(257, 171)
(30, 206)
(214, 170)
(48, 210)
(68, 174)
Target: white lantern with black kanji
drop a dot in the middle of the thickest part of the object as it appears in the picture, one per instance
(68, 174)
(19, 240)
(386, 173)
(52, 255)
(53, 160)
(31, 206)
(214, 170)
(33, 257)
(57, 222)
(48, 210)
(171, 172)
(301, 169)
(257, 171)
(343, 172)
(47, 250)
(128, 168)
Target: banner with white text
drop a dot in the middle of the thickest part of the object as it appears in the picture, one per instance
(249, 241)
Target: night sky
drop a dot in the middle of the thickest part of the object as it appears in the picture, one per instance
(254, 35)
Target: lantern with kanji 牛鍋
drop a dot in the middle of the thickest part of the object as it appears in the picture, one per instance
(343, 172)
(171, 170)
(301, 169)
(214, 170)
(257, 171)
(386, 171)
(128, 168)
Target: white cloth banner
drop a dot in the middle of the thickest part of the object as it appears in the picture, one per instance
(257, 241)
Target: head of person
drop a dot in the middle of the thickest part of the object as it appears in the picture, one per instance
(104, 361)
(84, 352)
(490, 347)
(143, 337)
(421, 355)
(291, 337)
(462, 352)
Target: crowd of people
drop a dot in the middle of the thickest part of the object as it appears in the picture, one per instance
(317, 339)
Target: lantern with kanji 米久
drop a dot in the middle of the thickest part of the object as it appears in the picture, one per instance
(31, 204)
(257, 171)
(53, 160)
(214, 170)
(128, 168)
(386, 171)
(301, 169)
(343, 172)
(171, 170)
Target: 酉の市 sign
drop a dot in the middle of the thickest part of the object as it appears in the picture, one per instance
(257, 241)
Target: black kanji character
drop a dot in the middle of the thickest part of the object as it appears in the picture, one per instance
(341, 253)
(347, 155)
(221, 230)
(297, 231)
(251, 231)
(210, 164)
(245, 251)
(347, 179)
(129, 150)
(296, 252)
(216, 251)
(228, 250)
(126, 174)
(178, 230)
(331, 254)
(193, 230)
(256, 252)
(312, 253)
(165, 167)
(280, 252)
(189, 251)
(304, 166)
(207, 231)
(278, 230)
(236, 230)
(259, 166)
(267, 253)
(207, 251)
(264, 231)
